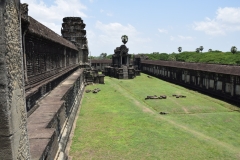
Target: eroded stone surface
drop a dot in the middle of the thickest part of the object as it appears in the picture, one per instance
(13, 130)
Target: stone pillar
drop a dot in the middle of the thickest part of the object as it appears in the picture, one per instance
(233, 86)
(13, 118)
(85, 55)
(215, 81)
(207, 81)
(65, 58)
(224, 85)
(80, 53)
(120, 61)
(185, 76)
(201, 79)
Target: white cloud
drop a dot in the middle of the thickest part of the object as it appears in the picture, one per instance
(115, 27)
(181, 38)
(185, 37)
(172, 38)
(52, 15)
(107, 13)
(162, 30)
(107, 36)
(110, 35)
(112, 32)
(229, 15)
(227, 20)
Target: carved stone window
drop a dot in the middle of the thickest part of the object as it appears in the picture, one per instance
(237, 79)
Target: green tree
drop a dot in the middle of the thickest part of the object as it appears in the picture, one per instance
(103, 56)
(233, 49)
(179, 49)
(172, 57)
(197, 50)
(201, 48)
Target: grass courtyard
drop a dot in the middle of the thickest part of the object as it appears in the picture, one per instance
(118, 123)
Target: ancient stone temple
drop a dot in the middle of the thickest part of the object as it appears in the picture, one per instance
(121, 57)
(121, 66)
(73, 30)
(14, 143)
(41, 83)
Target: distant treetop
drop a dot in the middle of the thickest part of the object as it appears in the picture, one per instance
(124, 39)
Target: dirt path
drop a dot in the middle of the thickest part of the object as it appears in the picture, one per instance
(126, 94)
(185, 110)
(202, 136)
(146, 108)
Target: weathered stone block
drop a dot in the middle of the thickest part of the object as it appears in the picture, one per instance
(5, 146)
(9, 151)
(13, 127)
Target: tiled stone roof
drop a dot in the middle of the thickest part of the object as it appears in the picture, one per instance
(39, 29)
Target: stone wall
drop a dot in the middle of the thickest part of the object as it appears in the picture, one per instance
(222, 81)
(51, 123)
(13, 120)
(217, 80)
(54, 87)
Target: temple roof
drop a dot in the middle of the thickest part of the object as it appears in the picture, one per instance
(215, 68)
(122, 50)
(41, 30)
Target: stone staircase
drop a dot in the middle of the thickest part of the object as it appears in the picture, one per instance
(125, 72)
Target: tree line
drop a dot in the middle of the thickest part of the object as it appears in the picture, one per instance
(216, 57)
(197, 56)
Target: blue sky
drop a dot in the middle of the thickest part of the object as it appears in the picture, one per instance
(151, 26)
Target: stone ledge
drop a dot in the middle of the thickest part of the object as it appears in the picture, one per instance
(50, 113)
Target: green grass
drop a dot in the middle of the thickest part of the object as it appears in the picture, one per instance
(117, 123)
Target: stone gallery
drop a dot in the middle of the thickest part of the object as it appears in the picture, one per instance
(36, 112)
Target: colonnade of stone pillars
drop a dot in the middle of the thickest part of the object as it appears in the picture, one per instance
(13, 120)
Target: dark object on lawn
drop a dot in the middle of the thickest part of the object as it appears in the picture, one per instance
(152, 97)
(163, 97)
(96, 90)
(149, 76)
(180, 96)
(174, 95)
(87, 91)
(162, 113)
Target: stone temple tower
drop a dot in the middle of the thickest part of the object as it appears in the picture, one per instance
(73, 30)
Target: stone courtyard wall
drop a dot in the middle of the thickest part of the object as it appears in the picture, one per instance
(13, 116)
(222, 81)
(50, 125)
(40, 92)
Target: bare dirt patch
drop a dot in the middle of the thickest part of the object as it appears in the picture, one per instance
(185, 110)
